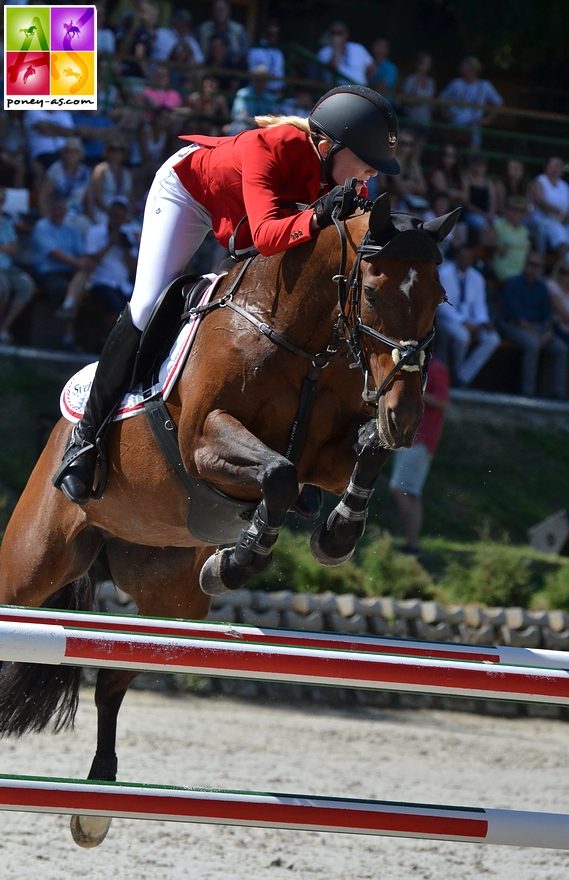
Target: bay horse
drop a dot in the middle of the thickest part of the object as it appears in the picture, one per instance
(266, 403)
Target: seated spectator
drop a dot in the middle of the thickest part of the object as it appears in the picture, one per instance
(408, 189)
(439, 204)
(383, 74)
(300, 104)
(267, 52)
(550, 219)
(205, 110)
(512, 182)
(179, 33)
(446, 175)
(68, 178)
(111, 259)
(106, 39)
(129, 116)
(95, 125)
(155, 142)
(558, 287)
(218, 58)
(159, 92)
(511, 240)
(234, 36)
(13, 166)
(16, 286)
(109, 179)
(464, 328)
(135, 39)
(344, 60)
(480, 201)
(45, 132)
(250, 101)
(417, 90)
(528, 321)
(477, 101)
(59, 254)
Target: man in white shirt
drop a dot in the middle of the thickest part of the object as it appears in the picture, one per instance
(351, 62)
(463, 323)
(267, 53)
(476, 99)
(113, 252)
(46, 132)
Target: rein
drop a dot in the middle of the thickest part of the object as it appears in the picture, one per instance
(407, 354)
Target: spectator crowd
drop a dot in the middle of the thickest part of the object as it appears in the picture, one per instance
(73, 183)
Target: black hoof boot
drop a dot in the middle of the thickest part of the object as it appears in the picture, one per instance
(76, 473)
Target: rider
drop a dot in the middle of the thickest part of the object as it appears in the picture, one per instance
(213, 184)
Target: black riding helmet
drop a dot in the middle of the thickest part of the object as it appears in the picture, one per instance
(360, 119)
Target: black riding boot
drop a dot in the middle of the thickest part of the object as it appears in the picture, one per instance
(113, 378)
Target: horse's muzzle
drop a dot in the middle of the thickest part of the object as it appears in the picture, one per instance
(397, 426)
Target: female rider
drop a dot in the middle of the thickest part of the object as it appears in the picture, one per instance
(213, 183)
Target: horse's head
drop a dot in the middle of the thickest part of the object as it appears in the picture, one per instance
(391, 313)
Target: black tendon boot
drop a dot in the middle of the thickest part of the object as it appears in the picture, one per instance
(112, 380)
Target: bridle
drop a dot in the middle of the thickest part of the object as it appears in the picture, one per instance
(407, 354)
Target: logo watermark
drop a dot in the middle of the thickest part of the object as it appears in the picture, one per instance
(50, 57)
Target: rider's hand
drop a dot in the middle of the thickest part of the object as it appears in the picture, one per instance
(340, 201)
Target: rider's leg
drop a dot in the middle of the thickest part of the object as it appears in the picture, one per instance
(173, 228)
(112, 380)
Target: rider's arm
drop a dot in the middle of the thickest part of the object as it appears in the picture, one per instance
(267, 171)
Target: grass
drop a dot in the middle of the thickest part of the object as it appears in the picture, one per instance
(496, 473)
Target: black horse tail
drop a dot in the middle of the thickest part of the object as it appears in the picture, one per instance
(32, 695)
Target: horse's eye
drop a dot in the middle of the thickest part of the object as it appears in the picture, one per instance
(370, 294)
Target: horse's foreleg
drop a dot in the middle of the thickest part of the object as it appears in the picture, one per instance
(112, 685)
(334, 541)
(229, 452)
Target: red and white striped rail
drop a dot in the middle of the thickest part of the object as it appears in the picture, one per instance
(295, 812)
(55, 644)
(239, 633)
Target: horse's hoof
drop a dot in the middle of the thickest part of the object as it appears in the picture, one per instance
(89, 831)
(210, 575)
(319, 554)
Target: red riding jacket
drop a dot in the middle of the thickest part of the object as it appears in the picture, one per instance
(260, 174)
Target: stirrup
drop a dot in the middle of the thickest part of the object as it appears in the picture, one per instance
(76, 447)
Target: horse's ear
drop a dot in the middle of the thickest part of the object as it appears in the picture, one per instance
(380, 215)
(440, 227)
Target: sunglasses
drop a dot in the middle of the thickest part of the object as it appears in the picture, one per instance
(563, 272)
(532, 264)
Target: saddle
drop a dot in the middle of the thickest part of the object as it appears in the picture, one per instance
(166, 321)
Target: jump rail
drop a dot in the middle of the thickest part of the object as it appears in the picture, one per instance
(55, 644)
(239, 633)
(285, 811)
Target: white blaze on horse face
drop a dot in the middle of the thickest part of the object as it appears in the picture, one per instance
(408, 282)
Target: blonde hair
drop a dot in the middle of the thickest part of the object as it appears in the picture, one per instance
(270, 121)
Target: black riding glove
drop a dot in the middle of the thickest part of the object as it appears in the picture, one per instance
(339, 202)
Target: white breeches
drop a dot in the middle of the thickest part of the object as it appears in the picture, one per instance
(173, 228)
